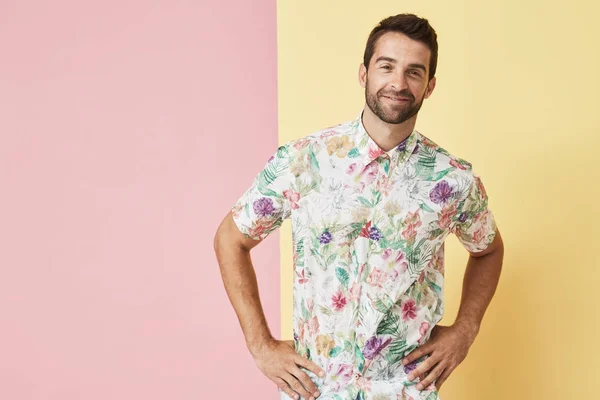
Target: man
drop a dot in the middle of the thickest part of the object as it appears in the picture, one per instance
(371, 201)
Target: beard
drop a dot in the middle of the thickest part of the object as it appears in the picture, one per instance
(392, 114)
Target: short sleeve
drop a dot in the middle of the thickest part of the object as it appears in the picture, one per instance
(475, 225)
(263, 207)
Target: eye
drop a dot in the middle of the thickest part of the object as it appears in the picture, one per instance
(386, 67)
(415, 72)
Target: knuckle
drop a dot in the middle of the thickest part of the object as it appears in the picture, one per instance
(302, 361)
(281, 384)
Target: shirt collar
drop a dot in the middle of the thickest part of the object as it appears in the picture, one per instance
(369, 150)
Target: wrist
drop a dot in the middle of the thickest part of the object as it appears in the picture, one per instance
(469, 329)
(255, 346)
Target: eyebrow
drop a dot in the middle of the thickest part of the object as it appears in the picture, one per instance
(393, 61)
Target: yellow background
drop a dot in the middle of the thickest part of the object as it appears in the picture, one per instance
(517, 95)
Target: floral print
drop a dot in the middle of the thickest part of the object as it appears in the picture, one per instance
(368, 232)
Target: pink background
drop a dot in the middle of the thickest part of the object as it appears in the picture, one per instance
(128, 130)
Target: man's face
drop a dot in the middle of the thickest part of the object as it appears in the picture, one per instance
(397, 79)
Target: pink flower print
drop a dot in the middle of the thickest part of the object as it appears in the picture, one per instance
(413, 221)
(301, 143)
(257, 230)
(409, 310)
(327, 134)
(301, 278)
(375, 151)
(339, 375)
(448, 211)
(401, 259)
(386, 254)
(363, 383)
(313, 326)
(339, 301)
(421, 277)
(423, 330)
(351, 169)
(370, 173)
(481, 188)
(458, 165)
(301, 326)
(293, 197)
(355, 290)
(378, 277)
(478, 235)
(384, 185)
(310, 304)
(414, 218)
(404, 395)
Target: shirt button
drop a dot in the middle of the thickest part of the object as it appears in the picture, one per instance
(369, 279)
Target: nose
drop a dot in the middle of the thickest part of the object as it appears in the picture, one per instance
(399, 82)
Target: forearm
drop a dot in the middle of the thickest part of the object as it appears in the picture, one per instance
(479, 285)
(239, 279)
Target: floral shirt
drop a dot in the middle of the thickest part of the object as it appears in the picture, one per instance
(368, 231)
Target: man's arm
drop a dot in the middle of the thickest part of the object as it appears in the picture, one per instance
(232, 249)
(448, 346)
(278, 360)
(479, 285)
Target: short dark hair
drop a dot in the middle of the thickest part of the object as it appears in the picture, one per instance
(410, 25)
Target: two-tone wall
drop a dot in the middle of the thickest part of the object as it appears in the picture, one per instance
(128, 129)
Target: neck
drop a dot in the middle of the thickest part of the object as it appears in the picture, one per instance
(387, 136)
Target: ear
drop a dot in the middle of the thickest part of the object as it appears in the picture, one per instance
(362, 75)
(430, 87)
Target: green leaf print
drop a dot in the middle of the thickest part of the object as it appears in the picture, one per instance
(432, 396)
(355, 232)
(365, 202)
(314, 163)
(426, 160)
(418, 256)
(347, 345)
(377, 198)
(359, 358)
(425, 207)
(342, 276)
(335, 351)
(386, 165)
(326, 310)
(437, 176)
(275, 168)
(331, 258)
(305, 312)
(435, 233)
(389, 325)
(380, 306)
(300, 252)
(435, 287)
(396, 351)
(353, 153)
(383, 243)
(268, 192)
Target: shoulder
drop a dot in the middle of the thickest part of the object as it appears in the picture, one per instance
(444, 159)
(445, 166)
(320, 139)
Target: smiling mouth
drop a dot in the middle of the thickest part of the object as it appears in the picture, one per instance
(397, 99)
